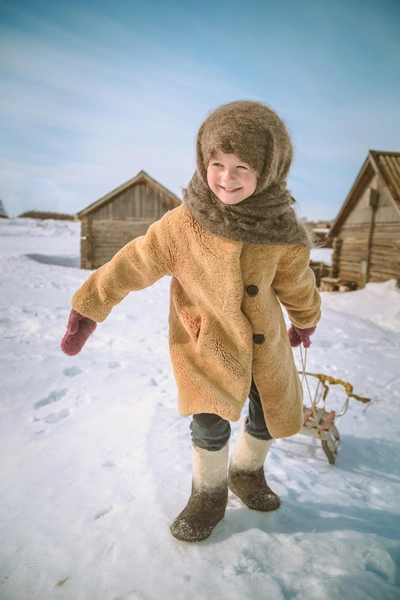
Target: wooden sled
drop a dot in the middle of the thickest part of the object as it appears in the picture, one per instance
(322, 425)
(318, 421)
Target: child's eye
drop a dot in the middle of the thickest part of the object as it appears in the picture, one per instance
(242, 167)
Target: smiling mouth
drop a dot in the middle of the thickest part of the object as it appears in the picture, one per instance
(229, 189)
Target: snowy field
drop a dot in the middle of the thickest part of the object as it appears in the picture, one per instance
(96, 462)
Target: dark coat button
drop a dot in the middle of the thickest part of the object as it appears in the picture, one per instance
(252, 290)
(258, 338)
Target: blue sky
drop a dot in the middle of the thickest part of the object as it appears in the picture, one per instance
(93, 92)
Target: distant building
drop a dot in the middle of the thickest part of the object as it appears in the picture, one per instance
(366, 232)
(122, 215)
(3, 213)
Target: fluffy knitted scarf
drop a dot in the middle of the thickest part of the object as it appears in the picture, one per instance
(256, 135)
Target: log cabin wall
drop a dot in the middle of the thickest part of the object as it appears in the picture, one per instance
(368, 245)
(354, 236)
(86, 261)
(337, 246)
(127, 215)
(385, 246)
(109, 236)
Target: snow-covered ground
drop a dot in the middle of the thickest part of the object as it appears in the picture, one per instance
(322, 255)
(95, 461)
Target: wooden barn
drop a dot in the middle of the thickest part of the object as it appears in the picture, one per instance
(366, 232)
(120, 216)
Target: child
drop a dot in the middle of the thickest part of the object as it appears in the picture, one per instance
(235, 251)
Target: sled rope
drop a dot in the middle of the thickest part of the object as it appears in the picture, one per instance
(317, 396)
(323, 380)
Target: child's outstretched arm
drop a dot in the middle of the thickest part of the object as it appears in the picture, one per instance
(294, 285)
(136, 266)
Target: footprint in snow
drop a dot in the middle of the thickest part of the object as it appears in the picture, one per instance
(114, 365)
(54, 396)
(72, 371)
(102, 513)
(108, 464)
(57, 417)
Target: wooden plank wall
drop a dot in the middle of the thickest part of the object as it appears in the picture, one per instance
(350, 259)
(109, 236)
(384, 260)
(353, 251)
(386, 212)
(127, 216)
(86, 245)
(361, 212)
(385, 247)
(385, 252)
(138, 201)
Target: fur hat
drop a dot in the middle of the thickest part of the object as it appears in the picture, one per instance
(254, 133)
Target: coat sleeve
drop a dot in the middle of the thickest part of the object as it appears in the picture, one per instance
(137, 265)
(294, 285)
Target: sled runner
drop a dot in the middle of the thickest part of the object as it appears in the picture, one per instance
(317, 421)
(321, 424)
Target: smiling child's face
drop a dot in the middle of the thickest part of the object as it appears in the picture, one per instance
(231, 179)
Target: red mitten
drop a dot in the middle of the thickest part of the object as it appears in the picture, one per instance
(79, 328)
(298, 336)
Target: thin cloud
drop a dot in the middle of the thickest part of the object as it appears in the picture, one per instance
(88, 100)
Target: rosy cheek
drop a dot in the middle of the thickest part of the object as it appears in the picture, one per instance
(210, 180)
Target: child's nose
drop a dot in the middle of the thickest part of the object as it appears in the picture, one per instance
(229, 174)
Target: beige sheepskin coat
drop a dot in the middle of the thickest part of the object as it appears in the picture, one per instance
(214, 316)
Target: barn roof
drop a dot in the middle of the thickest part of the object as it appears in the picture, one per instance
(142, 176)
(385, 163)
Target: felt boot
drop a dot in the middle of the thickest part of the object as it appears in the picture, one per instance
(246, 476)
(209, 497)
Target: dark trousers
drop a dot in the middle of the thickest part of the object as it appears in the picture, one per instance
(212, 432)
